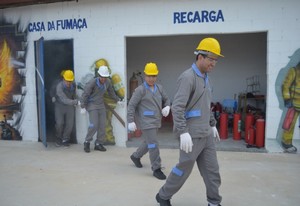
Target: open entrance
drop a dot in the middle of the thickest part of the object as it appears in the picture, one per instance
(242, 71)
(54, 56)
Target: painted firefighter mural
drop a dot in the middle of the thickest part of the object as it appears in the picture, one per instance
(290, 93)
(109, 102)
(12, 80)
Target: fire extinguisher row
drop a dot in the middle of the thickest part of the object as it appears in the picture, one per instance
(254, 132)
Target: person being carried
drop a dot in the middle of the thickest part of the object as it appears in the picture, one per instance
(150, 102)
(93, 102)
(195, 126)
(65, 100)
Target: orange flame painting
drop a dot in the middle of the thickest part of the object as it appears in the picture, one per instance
(9, 80)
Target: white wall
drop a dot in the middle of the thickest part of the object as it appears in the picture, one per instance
(110, 22)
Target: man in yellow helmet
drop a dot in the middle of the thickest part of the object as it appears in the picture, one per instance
(65, 100)
(195, 126)
(150, 102)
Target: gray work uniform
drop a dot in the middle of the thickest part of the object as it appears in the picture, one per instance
(192, 114)
(66, 99)
(147, 104)
(92, 100)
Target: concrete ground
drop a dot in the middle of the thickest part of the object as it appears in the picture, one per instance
(31, 174)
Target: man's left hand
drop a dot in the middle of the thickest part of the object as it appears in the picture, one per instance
(215, 134)
(165, 111)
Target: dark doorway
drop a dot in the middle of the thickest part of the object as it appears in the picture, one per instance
(58, 56)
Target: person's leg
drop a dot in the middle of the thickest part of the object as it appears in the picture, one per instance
(153, 148)
(208, 166)
(140, 152)
(59, 124)
(69, 122)
(287, 136)
(179, 173)
(101, 131)
(92, 129)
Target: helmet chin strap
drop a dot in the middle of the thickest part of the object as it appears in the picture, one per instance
(201, 52)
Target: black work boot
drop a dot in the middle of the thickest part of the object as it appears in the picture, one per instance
(136, 161)
(99, 147)
(58, 142)
(162, 202)
(66, 143)
(159, 174)
(86, 146)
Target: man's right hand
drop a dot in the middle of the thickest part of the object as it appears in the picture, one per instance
(186, 143)
(132, 126)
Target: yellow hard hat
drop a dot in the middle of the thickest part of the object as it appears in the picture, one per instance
(210, 45)
(101, 62)
(69, 75)
(151, 69)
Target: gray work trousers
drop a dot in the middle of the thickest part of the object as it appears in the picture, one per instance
(64, 121)
(150, 144)
(204, 154)
(97, 119)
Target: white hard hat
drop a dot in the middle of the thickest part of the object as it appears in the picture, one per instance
(103, 71)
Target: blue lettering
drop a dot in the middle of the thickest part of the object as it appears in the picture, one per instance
(204, 16)
(197, 16)
(71, 24)
(190, 17)
(183, 17)
(51, 25)
(220, 16)
(36, 27)
(176, 18)
(58, 24)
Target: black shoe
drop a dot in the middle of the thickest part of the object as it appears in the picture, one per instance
(100, 147)
(159, 174)
(162, 202)
(218, 204)
(289, 148)
(66, 143)
(58, 142)
(136, 161)
(87, 147)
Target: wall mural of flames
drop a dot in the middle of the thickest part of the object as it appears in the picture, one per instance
(12, 80)
(9, 78)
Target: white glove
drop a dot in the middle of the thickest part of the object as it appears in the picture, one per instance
(186, 143)
(82, 111)
(132, 126)
(53, 99)
(215, 134)
(165, 111)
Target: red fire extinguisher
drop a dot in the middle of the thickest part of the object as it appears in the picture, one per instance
(251, 136)
(237, 126)
(133, 84)
(249, 122)
(223, 126)
(260, 133)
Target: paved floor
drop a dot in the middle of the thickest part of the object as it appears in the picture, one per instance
(33, 175)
